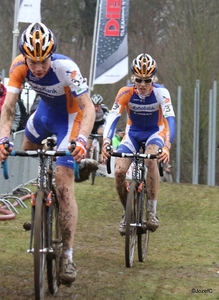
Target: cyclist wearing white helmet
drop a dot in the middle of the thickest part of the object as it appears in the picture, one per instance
(65, 110)
(101, 113)
(151, 120)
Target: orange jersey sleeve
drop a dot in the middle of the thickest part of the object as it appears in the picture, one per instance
(17, 74)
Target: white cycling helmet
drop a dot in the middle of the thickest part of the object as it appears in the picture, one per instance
(37, 42)
(144, 66)
(97, 99)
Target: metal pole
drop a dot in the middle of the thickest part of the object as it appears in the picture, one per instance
(194, 140)
(15, 31)
(93, 48)
(214, 125)
(3, 76)
(196, 133)
(198, 122)
(210, 137)
(178, 135)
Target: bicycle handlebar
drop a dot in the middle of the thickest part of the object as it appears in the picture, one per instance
(95, 135)
(129, 155)
(38, 153)
(132, 155)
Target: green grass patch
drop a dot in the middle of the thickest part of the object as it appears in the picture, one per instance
(183, 252)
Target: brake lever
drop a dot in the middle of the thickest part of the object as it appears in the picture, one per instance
(109, 149)
(159, 151)
(72, 145)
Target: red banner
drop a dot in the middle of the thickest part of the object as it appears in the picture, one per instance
(111, 54)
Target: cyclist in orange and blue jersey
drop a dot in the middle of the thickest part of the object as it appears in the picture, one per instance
(65, 109)
(151, 120)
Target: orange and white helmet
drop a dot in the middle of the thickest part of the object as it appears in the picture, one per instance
(144, 66)
(37, 42)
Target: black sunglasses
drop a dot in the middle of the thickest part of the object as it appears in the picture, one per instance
(148, 80)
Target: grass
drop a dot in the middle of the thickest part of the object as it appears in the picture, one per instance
(183, 252)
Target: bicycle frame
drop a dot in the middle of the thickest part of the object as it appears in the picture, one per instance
(139, 174)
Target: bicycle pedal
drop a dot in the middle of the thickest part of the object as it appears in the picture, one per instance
(50, 256)
(143, 229)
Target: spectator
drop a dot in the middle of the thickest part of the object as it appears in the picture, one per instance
(35, 104)
(116, 140)
(167, 176)
(3, 92)
(21, 116)
(17, 118)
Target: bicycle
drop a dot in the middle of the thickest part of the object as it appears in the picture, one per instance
(94, 152)
(45, 234)
(136, 205)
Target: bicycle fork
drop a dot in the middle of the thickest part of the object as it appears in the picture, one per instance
(140, 188)
(48, 203)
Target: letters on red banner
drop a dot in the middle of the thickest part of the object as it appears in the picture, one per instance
(113, 15)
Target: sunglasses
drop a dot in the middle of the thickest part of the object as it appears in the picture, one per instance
(148, 80)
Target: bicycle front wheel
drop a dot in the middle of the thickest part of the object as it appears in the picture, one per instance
(53, 259)
(142, 232)
(39, 245)
(131, 224)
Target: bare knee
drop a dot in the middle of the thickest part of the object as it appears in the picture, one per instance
(119, 175)
(121, 167)
(151, 165)
(28, 145)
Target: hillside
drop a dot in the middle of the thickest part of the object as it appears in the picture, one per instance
(183, 258)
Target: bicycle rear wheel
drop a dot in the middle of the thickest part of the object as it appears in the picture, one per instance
(131, 220)
(142, 232)
(39, 245)
(53, 259)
